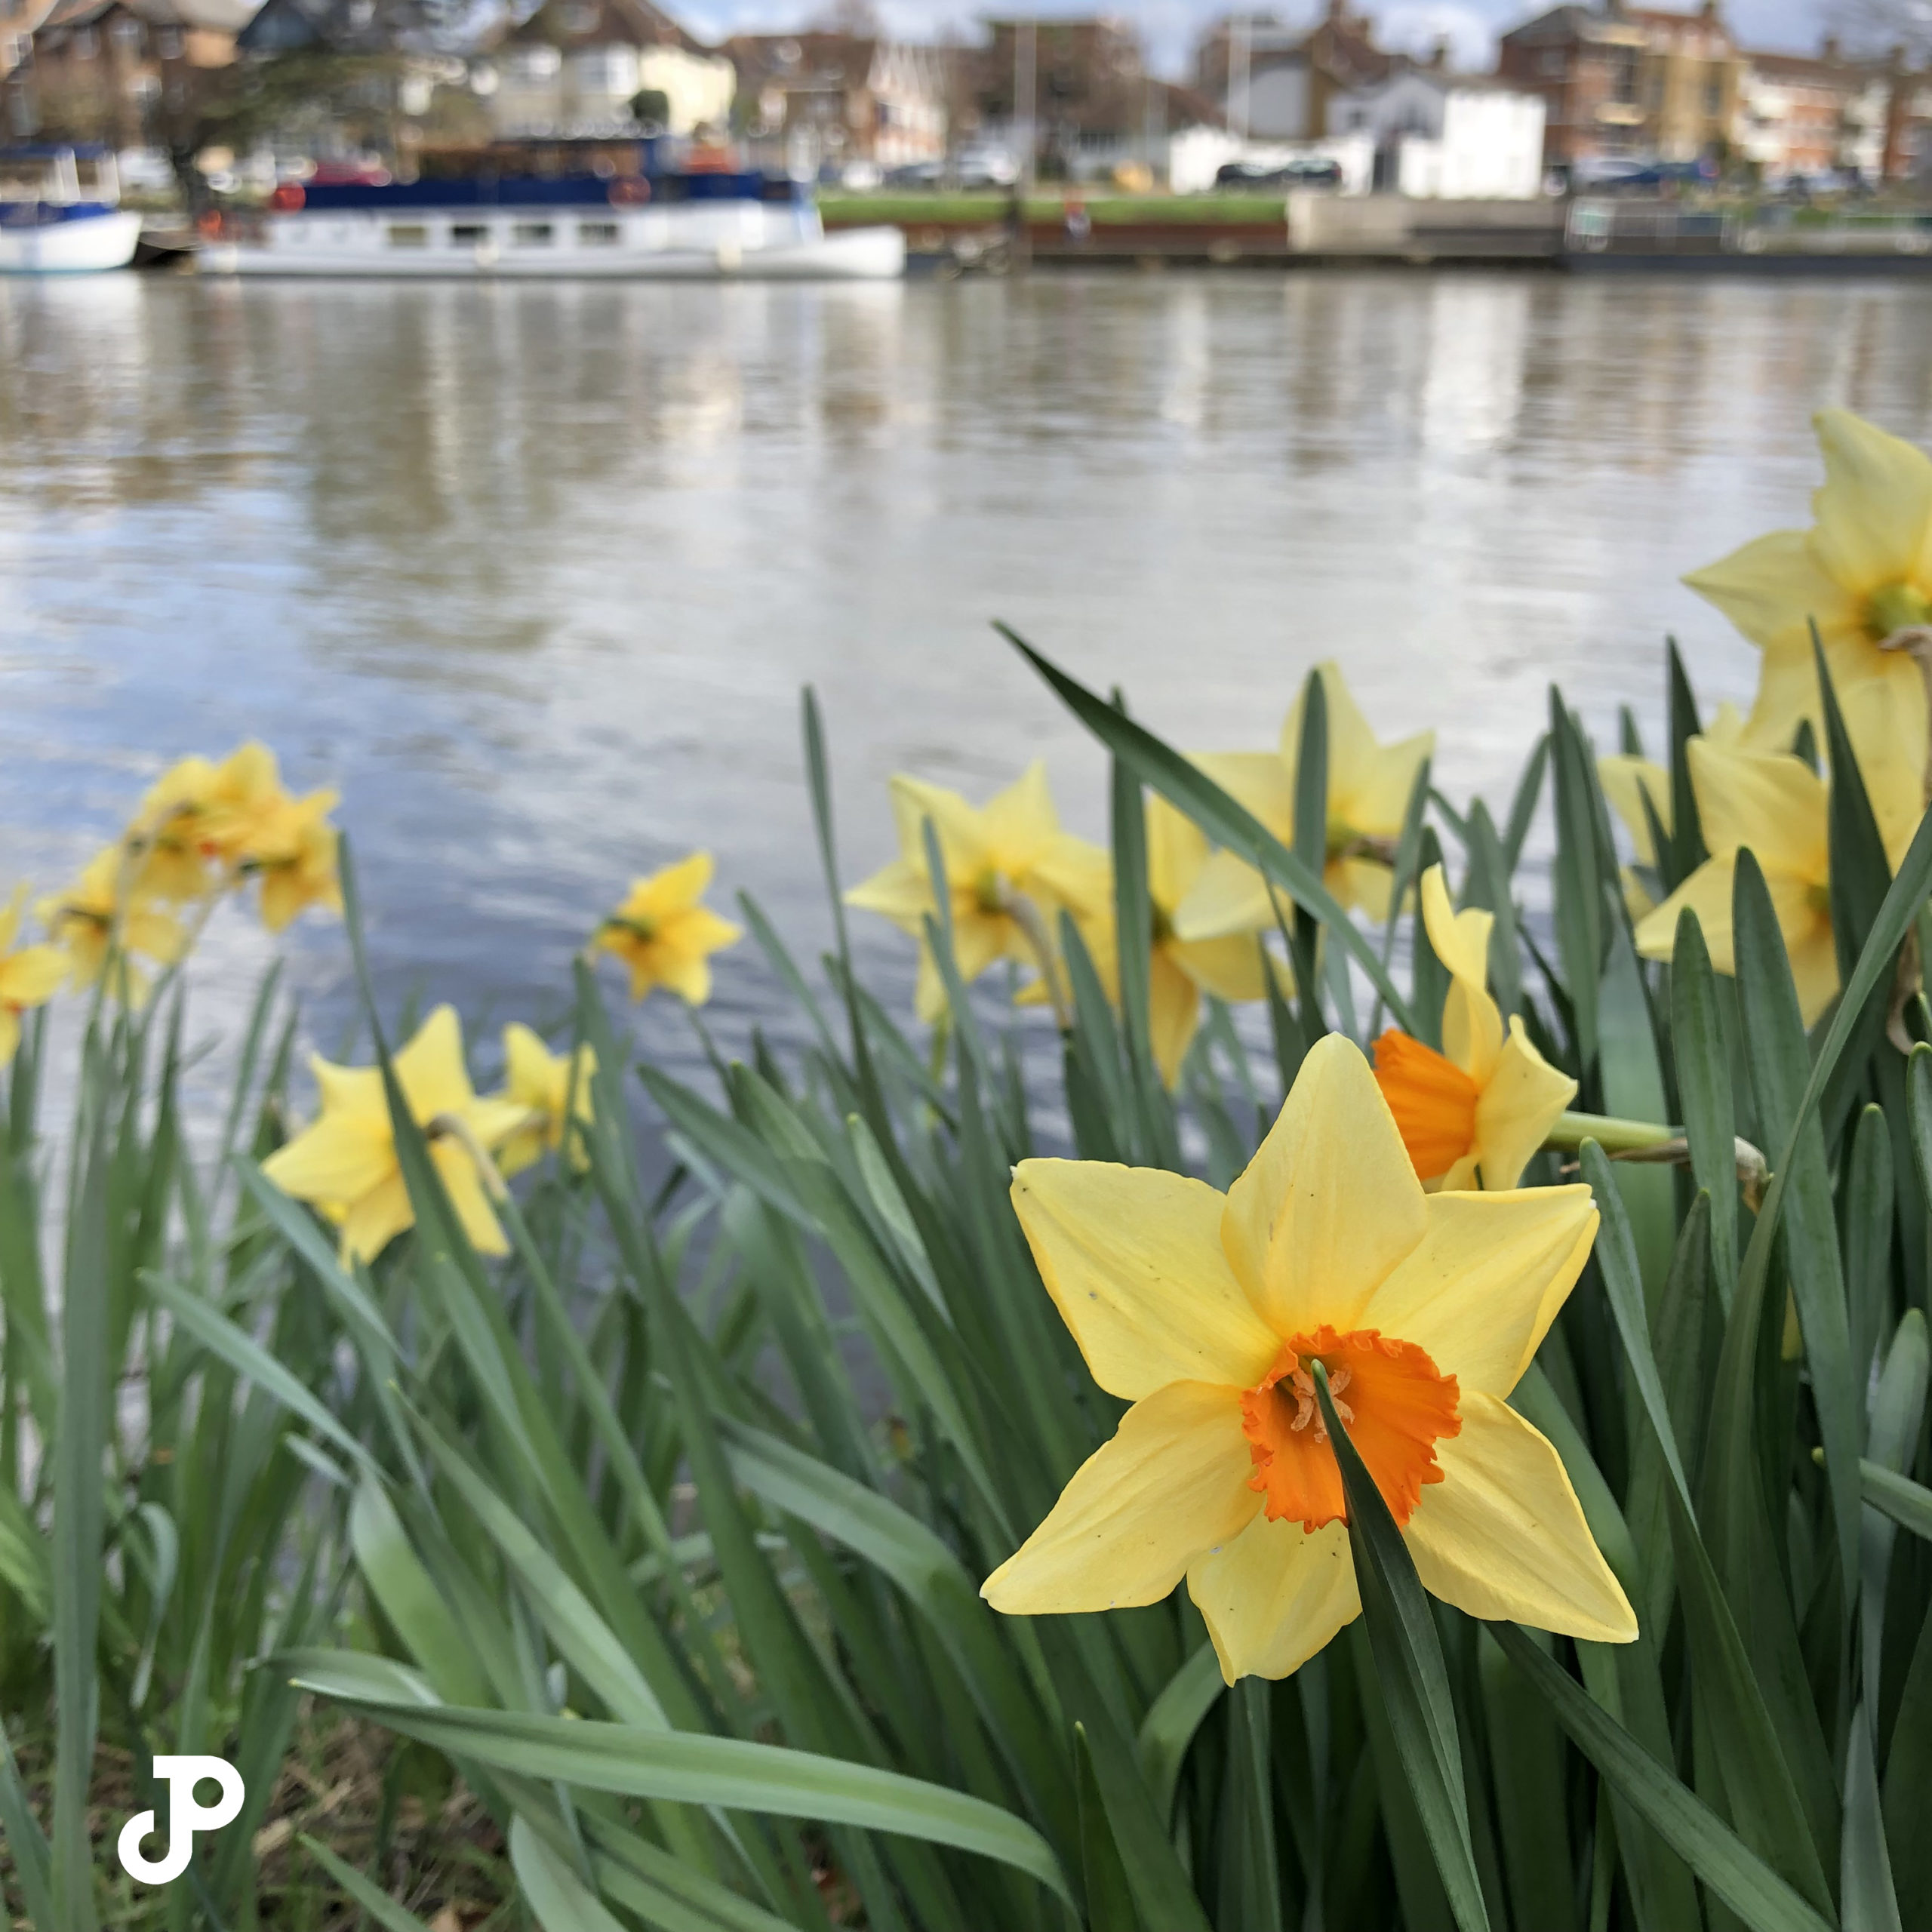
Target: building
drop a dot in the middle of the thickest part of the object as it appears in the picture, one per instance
(123, 72)
(1627, 82)
(587, 68)
(841, 96)
(1456, 136)
(1053, 87)
(1275, 82)
(1810, 114)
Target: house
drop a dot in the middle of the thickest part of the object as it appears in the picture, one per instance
(833, 96)
(1624, 81)
(1813, 114)
(120, 71)
(588, 68)
(1061, 86)
(1275, 82)
(1456, 137)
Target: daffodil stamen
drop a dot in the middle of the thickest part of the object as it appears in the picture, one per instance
(1404, 1406)
(992, 891)
(1894, 608)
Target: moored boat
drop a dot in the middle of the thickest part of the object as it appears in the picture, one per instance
(598, 225)
(61, 212)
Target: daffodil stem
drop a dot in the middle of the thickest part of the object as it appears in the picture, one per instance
(1025, 916)
(454, 1127)
(1612, 1135)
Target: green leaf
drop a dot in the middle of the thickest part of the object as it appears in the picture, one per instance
(1408, 1658)
(1907, 1777)
(366, 1893)
(728, 1772)
(559, 1900)
(1526, 1763)
(1190, 790)
(1695, 1832)
(1579, 874)
(1686, 832)
(1172, 1720)
(1109, 1899)
(1907, 1503)
(1868, 1902)
(31, 1861)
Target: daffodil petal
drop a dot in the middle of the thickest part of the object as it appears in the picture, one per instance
(337, 1158)
(1627, 781)
(1230, 897)
(1813, 953)
(1021, 823)
(1707, 892)
(900, 892)
(1133, 1259)
(1768, 587)
(679, 888)
(1329, 1203)
(1259, 781)
(1472, 1023)
(9, 1035)
(955, 824)
(1874, 513)
(430, 1069)
(1173, 1002)
(32, 975)
(374, 1220)
(464, 1187)
(1517, 1106)
(1274, 1595)
(1172, 1483)
(1502, 1536)
(1479, 1290)
(1231, 968)
(1177, 850)
(1774, 804)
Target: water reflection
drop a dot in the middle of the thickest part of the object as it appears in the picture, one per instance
(534, 574)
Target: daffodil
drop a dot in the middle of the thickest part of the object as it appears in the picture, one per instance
(1862, 573)
(1773, 803)
(1473, 1114)
(1369, 784)
(345, 1162)
(199, 815)
(551, 1089)
(101, 908)
(1208, 1313)
(1179, 971)
(1628, 779)
(293, 849)
(664, 935)
(29, 975)
(1010, 871)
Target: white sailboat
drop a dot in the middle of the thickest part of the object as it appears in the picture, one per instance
(61, 211)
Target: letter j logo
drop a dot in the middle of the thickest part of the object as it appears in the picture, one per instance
(185, 1817)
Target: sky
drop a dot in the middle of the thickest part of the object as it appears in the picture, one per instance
(1171, 26)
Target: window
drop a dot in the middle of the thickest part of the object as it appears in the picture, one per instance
(611, 70)
(408, 234)
(532, 234)
(1551, 62)
(535, 64)
(467, 234)
(597, 234)
(1713, 97)
(127, 34)
(168, 43)
(86, 43)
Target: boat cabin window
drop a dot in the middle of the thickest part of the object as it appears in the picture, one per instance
(532, 234)
(597, 234)
(408, 234)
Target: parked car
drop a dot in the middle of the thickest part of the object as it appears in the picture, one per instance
(917, 175)
(986, 167)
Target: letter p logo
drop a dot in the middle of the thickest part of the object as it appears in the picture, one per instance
(185, 1817)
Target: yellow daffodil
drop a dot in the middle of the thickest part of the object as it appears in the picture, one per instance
(663, 933)
(1862, 573)
(344, 1163)
(1010, 870)
(1206, 1311)
(1369, 784)
(292, 848)
(82, 920)
(1179, 971)
(1627, 779)
(1473, 1114)
(199, 815)
(1776, 804)
(551, 1091)
(29, 975)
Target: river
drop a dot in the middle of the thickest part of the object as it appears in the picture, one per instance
(534, 574)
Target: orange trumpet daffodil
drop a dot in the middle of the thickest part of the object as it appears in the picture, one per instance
(1473, 1114)
(1208, 1312)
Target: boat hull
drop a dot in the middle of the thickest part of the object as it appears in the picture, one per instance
(864, 254)
(81, 245)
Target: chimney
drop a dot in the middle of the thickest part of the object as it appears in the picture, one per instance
(1338, 12)
(1439, 55)
(1829, 50)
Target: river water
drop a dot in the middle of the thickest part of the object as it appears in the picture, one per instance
(534, 574)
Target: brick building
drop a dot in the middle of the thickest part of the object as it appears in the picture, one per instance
(830, 96)
(1276, 82)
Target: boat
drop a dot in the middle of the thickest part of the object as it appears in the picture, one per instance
(61, 211)
(603, 222)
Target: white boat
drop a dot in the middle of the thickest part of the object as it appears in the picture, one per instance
(609, 226)
(57, 220)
